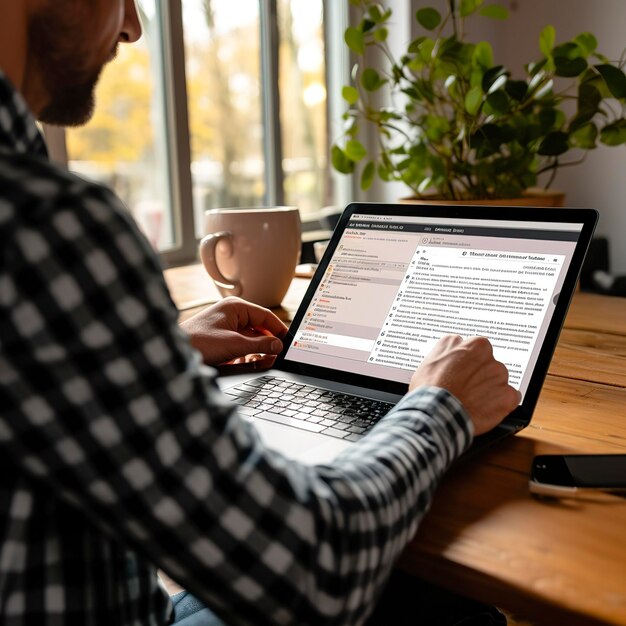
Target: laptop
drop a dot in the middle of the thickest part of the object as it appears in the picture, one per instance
(393, 280)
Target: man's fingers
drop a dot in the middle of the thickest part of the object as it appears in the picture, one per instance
(263, 344)
(264, 320)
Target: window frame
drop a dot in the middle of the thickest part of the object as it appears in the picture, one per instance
(172, 62)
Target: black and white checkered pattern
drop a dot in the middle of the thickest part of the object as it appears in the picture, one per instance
(118, 454)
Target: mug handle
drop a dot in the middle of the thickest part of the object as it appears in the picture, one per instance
(207, 255)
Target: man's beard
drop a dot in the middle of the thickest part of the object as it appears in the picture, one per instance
(69, 85)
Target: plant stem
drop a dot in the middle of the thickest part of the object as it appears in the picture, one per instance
(451, 4)
(555, 165)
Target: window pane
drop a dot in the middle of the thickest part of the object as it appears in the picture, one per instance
(224, 100)
(124, 145)
(303, 104)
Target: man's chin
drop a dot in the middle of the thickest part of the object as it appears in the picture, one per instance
(72, 111)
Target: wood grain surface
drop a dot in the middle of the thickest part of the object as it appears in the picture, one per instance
(556, 562)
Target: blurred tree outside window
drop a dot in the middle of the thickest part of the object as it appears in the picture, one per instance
(222, 50)
(303, 104)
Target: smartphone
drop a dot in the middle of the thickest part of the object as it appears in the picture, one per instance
(572, 474)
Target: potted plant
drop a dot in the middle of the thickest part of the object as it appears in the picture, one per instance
(459, 125)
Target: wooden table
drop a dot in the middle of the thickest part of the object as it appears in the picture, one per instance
(560, 563)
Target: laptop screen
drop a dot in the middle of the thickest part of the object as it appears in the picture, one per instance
(394, 284)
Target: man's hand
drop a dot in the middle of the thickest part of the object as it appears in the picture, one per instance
(233, 328)
(467, 369)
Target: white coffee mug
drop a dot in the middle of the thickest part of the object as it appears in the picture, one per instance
(252, 253)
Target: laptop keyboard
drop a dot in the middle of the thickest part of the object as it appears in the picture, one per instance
(308, 408)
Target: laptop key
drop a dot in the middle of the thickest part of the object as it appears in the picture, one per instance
(291, 421)
(255, 383)
(240, 401)
(250, 412)
(334, 432)
(353, 437)
(356, 430)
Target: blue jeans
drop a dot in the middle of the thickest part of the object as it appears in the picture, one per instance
(189, 611)
(406, 601)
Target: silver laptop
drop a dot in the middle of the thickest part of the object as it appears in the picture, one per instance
(393, 280)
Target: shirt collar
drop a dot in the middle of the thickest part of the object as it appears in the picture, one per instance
(18, 130)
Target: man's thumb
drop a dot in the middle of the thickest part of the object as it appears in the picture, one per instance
(262, 344)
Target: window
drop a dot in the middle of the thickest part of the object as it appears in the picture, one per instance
(224, 101)
(220, 104)
(124, 146)
(303, 104)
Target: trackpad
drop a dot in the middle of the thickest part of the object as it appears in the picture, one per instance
(298, 444)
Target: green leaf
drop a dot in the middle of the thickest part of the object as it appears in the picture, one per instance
(426, 50)
(589, 99)
(414, 47)
(491, 76)
(534, 68)
(568, 50)
(545, 90)
(498, 83)
(593, 77)
(498, 101)
(340, 161)
(614, 78)
(351, 127)
(371, 80)
(469, 6)
(495, 11)
(450, 82)
(384, 172)
(569, 68)
(492, 134)
(425, 89)
(355, 40)
(587, 43)
(381, 35)
(483, 55)
(473, 100)
(367, 177)
(425, 184)
(412, 93)
(355, 150)
(350, 94)
(429, 18)
(546, 40)
(375, 13)
(584, 137)
(614, 134)
(403, 165)
(554, 144)
(547, 119)
(476, 78)
(517, 89)
(436, 127)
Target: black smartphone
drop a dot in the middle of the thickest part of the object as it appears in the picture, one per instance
(571, 474)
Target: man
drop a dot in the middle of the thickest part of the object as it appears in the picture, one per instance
(118, 454)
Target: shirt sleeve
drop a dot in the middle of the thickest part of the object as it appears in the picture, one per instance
(105, 402)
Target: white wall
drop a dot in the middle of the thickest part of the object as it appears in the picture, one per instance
(599, 182)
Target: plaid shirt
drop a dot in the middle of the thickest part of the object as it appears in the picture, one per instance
(118, 453)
